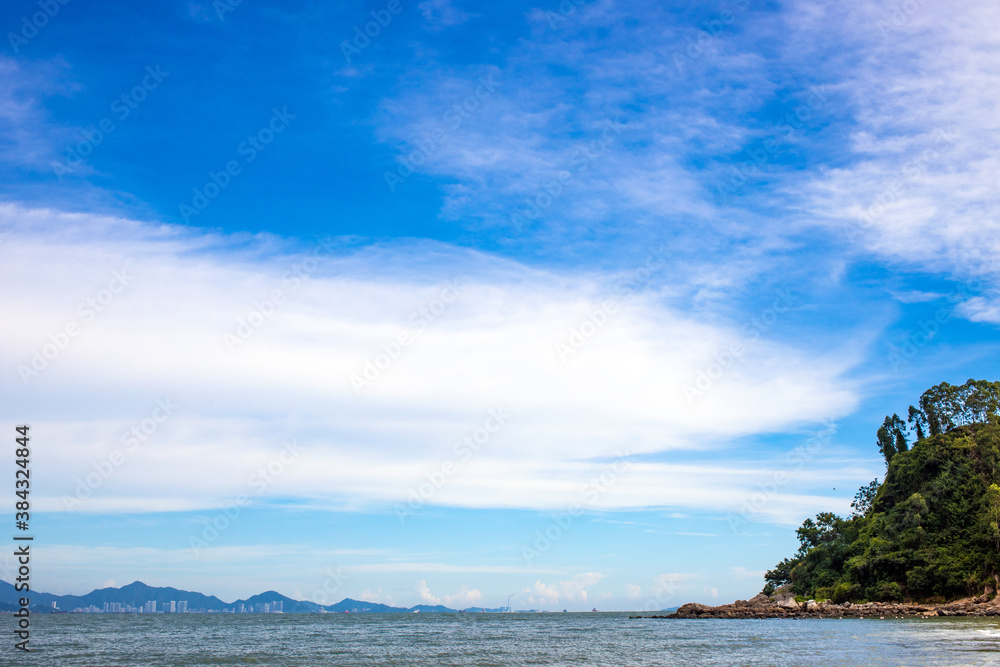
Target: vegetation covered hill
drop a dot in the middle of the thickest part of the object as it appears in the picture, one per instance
(931, 529)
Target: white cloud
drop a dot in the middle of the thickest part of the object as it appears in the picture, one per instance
(378, 595)
(494, 347)
(905, 133)
(425, 593)
(440, 14)
(917, 296)
(464, 598)
(571, 591)
(597, 152)
(446, 567)
(670, 587)
(541, 594)
(575, 589)
(981, 309)
(26, 138)
(921, 186)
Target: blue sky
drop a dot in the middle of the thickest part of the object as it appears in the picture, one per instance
(584, 302)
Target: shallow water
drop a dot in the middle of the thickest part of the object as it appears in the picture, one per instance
(495, 639)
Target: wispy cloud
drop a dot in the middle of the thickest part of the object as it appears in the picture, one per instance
(28, 136)
(165, 336)
(916, 183)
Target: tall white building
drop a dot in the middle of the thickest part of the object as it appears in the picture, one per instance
(182, 607)
(150, 607)
(172, 607)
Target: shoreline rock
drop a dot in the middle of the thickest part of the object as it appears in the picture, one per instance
(784, 606)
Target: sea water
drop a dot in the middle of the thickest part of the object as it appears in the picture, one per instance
(494, 639)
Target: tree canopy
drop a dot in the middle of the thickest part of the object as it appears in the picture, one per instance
(943, 408)
(931, 528)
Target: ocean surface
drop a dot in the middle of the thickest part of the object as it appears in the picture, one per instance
(494, 639)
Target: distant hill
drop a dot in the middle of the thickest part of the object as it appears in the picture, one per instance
(137, 594)
(430, 609)
(289, 606)
(359, 606)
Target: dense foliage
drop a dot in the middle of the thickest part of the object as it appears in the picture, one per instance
(931, 529)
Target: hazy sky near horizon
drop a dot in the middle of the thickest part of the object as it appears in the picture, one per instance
(587, 302)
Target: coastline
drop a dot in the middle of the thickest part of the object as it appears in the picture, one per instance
(784, 606)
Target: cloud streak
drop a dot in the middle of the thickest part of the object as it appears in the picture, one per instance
(496, 345)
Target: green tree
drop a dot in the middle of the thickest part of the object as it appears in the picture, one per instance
(825, 529)
(891, 437)
(864, 499)
(981, 401)
(932, 527)
(991, 516)
(944, 407)
(781, 574)
(918, 422)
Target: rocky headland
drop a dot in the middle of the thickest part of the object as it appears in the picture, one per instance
(784, 606)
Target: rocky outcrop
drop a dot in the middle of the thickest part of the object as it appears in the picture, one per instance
(784, 606)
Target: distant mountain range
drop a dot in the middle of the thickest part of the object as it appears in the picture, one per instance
(137, 594)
